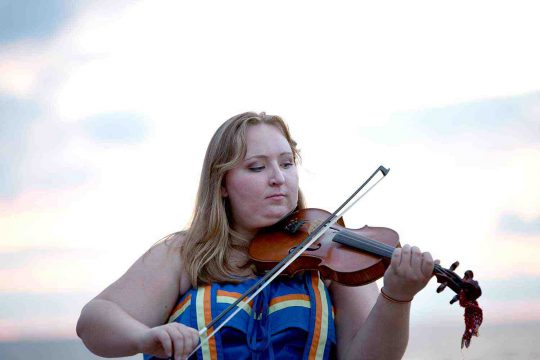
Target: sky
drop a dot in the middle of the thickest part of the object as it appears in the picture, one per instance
(106, 109)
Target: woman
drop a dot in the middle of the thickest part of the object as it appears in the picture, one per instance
(249, 181)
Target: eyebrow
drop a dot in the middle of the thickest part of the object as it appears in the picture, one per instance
(265, 157)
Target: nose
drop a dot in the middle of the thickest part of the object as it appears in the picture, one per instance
(277, 177)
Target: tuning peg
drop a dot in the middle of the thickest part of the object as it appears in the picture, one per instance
(454, 266)
(454, 299)
(441, 287)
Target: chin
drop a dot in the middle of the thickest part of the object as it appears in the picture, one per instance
(275, 216)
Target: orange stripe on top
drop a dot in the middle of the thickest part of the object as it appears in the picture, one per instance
(228, 293)
(289, 297)
(207, 319)
(182, 303)
(272, 302)
(234, 295)
(318, 307)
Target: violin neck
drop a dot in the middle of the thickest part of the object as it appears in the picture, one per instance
(363, 243)
(370, 246)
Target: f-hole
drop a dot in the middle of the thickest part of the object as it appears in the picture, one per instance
(315, 248)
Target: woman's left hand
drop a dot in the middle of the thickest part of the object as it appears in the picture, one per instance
(409, 272)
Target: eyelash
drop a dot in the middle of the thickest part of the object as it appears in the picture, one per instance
(260, 168)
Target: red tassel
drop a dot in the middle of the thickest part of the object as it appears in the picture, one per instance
(473, 318)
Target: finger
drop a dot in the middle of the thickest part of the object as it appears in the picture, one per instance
(165, 341)
(427, 265)
(416, 260)
(189, 340)
(178, 341)
(396, 259)
(405, 257)
(196, 338)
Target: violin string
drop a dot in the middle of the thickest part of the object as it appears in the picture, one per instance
(385, 250)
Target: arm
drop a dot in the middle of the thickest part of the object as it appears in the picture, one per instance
(127, 317)
(108, 330)
(371, 327)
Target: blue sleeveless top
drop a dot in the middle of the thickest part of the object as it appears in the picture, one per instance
(292, 318)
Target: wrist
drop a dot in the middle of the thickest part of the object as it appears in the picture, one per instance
(391, 298)
(138, 339)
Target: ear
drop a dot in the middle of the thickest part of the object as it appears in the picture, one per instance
(224, 192)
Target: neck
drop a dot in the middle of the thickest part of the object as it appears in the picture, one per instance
(242, 236)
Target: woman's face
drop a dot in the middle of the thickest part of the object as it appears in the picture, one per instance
(263, 188)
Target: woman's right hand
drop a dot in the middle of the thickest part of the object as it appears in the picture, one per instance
(169, 340)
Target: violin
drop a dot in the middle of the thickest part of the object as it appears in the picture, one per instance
(351, 257)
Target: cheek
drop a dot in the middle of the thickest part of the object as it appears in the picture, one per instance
(293, 187)
(242, 192)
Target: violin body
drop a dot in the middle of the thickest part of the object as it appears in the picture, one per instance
(335, 254)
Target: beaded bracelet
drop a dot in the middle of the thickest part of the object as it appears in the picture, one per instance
(391, 299)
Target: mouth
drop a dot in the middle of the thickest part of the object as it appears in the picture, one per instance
(276, 196)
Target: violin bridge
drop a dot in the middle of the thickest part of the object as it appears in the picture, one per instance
(294, 225)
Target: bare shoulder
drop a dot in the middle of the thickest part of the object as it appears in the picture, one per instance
(169, 250)
(149, 289)
(166, 254)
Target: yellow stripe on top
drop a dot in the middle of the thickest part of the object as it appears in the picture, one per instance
(320, 332)
(180, 308)
(285, 301)
(229, 297)
(204, 316)
(278, 303)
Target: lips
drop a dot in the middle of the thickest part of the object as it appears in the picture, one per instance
(276, 196)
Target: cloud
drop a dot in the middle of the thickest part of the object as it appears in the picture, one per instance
(493, 123)
(20, 305)
(512, 289)
(503, 301)
(23, 258)
(33, 150)
(56, 269)
(115, 127)
(514, 224)
(40, 152)
(48, 315)
(33, 19)
(16, 119)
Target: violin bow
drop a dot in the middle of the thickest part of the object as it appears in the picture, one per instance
(256, 288)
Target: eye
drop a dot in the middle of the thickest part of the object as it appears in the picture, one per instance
(256, 168)
(287, 164)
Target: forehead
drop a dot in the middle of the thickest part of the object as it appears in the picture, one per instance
(264, 139)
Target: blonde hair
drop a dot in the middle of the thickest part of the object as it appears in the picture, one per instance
(208, 242)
